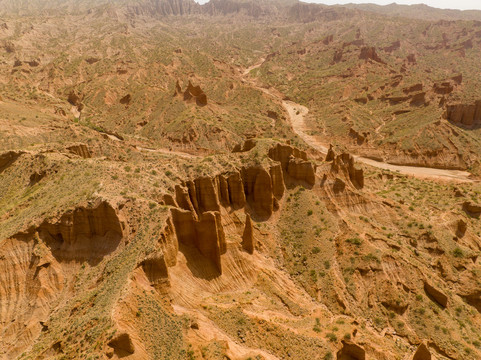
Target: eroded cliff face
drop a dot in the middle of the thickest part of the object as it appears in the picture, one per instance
(195, 94)
(199, 204)
(258, 190)
(467, 115)
(37, 267)
(81, 150)
(254, 253)
(203, 232)
(245, 235)
(85, 234)
(203, 219)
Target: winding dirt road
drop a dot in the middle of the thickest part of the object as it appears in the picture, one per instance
(297, 115)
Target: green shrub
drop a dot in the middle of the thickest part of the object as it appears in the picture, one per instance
(332, 337)
(355, 241)
(315, 250)
(458, 253)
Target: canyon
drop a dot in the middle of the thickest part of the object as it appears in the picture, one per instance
(239, 180)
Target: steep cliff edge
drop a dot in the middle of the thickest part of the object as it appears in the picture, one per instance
(38, 266)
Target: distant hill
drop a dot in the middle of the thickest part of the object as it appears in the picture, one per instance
(214, 7)
(419, 11)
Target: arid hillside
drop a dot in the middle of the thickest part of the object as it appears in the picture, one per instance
(239, 180)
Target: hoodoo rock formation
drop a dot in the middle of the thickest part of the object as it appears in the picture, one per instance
(294, 164)
(210, 239)
(248, 240)
(302, 170)
(122, 345)
(196, 219)
(258, 190)
(338, 186)
(282, 153)
(277, 181)
(168, 242)
(195, 94)
(199, 222)
(191, 94)
(473, 298)
(203, 195)
(460, 228)
(184, 224)
(472, 209)
(236, 197)
(155, 268)
(330, 154)
(75, 99)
